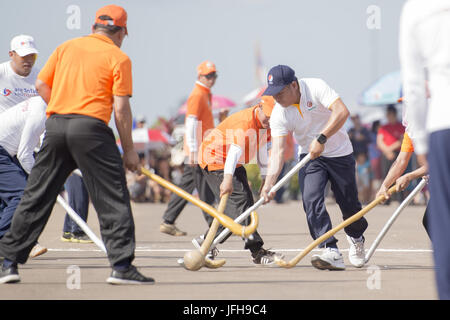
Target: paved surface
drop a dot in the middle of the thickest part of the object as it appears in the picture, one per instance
(401, 269)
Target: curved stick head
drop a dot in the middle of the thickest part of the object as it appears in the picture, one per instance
(282, 263)
(193, 260)
(214, 264)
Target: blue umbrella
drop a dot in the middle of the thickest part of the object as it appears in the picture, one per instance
(386, 90)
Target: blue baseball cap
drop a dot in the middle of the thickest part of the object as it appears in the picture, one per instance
(278, 78)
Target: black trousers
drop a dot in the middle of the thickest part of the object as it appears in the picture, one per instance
(313, 177)
(240, 200)
(75, 141)
(192, 178)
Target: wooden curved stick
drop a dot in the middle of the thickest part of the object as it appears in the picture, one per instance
(196, 259)
(214, 226)
(234, 227)
(333, 231)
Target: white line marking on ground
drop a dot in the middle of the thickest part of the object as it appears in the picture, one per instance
(144, 249)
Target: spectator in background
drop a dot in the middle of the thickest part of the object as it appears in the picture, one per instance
(360, 138)
(137, 183)
(389, 141)
(374, 152)
(140, 121)
(363, 177)
(223, 114)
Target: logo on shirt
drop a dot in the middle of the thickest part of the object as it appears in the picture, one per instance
(6, 92)
(310, 106)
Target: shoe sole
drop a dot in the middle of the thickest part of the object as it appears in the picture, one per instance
(117, 281)
(13, 278)
(174, 233)
(73, 240)
(39, 253)
(358, 265)
(320, 264)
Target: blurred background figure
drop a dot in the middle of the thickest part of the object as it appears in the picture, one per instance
(140, 121)
(375, 156)
(360, 138)
(389, 141)
(78, 198)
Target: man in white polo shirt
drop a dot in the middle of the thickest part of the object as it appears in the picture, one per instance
(21, 119)
(315, 114)
(17, 76)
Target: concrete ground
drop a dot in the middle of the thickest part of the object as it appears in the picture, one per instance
(402, 268)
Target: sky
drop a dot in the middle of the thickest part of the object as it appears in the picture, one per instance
(348, 43)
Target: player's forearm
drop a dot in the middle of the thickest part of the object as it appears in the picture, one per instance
(44, 90)
(397, 169)
(124, 123)
(418, 173)
(339, 115)
(276, 160)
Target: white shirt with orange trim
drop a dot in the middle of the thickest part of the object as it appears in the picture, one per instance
(309, 118)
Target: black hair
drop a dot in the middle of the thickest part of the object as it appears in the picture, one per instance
(391, 108)
(110, 30)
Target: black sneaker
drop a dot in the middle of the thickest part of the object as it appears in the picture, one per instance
(131, 276)
(265, 257)
(9, 275)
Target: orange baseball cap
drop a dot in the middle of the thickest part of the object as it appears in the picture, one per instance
(206, 67)
(267, 104)
(116, 13)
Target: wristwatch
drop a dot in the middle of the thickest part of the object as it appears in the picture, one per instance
(321, 138)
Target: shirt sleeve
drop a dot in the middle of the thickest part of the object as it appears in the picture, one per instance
(278, 123)
(122, 78)
(194, 106)
(191, 133)
(407, 145)
(413, 80)
(32, 130)
(47, 73)
(324, 93)
(233, 155)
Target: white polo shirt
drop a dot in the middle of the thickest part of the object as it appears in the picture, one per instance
(20, 130)
(424, 49)
(14, 88)
(309, 118)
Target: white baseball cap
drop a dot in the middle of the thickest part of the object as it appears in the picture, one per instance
(23, 45)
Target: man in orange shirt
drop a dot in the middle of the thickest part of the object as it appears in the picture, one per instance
(199, 121)
(82, 81)
(236, 141)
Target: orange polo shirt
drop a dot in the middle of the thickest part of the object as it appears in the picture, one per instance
(407, 145)
(84, 74)
(241, 128)
(199, 105)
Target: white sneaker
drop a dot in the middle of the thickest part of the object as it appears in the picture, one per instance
(329, 259)
(356, 252)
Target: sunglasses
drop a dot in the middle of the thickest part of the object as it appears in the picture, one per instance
(211, 75)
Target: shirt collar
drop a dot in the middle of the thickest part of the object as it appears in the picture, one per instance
(101, 37)
(202, 86)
